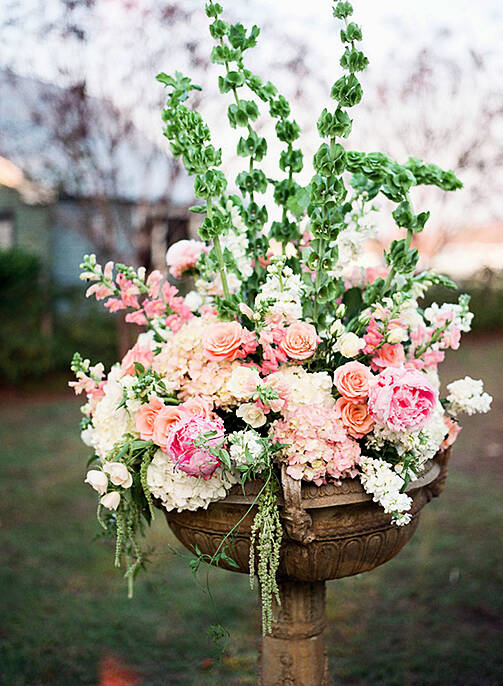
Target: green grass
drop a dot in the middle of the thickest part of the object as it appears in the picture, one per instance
(432, 616)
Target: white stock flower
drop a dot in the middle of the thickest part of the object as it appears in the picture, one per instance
(251, 414)
(193, 300)
(379, 480)
(119, 474)
(98, 480)
(467, 395)
(349, 344)
(396, 335)
(245, 447)
(111, 500)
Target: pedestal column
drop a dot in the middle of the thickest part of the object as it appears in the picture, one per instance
(294, 654)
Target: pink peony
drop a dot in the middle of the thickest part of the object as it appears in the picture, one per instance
(183, 255)
(138, 354)
(145, 418)
(353, 380)
(181, 445)
(402, 399)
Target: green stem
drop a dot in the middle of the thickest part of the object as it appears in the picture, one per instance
(220, 257)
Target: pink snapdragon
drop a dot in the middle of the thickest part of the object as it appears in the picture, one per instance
(153, 282)
(388, 355)
(402, 399)
(142, 355)
(129, 292)
(100, 290)
(136, 317)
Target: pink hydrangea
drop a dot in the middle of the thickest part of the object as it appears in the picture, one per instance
(180, 445)
(402, 399)
(182, 256)
(318, 445)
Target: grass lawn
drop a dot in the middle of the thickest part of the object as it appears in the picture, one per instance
(432, 616)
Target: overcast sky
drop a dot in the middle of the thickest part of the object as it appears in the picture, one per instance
(394, 31)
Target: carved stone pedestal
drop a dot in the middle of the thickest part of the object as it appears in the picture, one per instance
(294, 654)
(330, 531)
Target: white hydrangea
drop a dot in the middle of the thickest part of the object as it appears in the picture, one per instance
(381, 481)
(110, 422)
(179, 491)
(467, 395)
(245, 447)
(304, 388)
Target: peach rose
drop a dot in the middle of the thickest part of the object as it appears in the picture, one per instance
(222, 340)
(353, 380)
(355, 417)
(300, 341)
(145, 418)
(388, 355)
(198, 406)
(164, 420)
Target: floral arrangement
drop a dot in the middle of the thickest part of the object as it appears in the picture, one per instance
(287, 351)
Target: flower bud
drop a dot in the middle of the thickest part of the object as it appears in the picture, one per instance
(98, 480)
(111, 500)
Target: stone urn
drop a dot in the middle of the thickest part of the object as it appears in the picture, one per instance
(330, 532)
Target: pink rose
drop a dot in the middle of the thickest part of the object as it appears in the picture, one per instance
(145, 418)
(168, 416)
(402, 399)
(388, 355)
(353, 380)
(181, 445)
(355, 417)
(222, 340)
(138, 354)
(300, 341)
(183, 255)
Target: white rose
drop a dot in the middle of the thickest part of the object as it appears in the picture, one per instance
(98, 480)
(349, 345)
(243, 382)
(251, 414)
(119, 474)
(111, 500)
